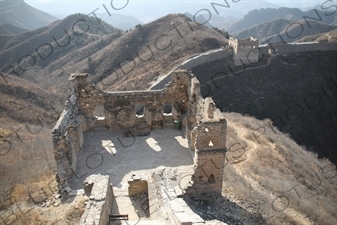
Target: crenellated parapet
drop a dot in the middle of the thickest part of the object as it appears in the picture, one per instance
(246, 51)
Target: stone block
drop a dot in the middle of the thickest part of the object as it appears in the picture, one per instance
(182, 218)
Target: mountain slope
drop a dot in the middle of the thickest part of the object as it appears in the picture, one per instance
(20, 14)
(22, 101)
(258, 16)
(64, 42)
(9, 29)
(120, 21)
(273, 178)
(288, 30)
(330, 36)
(223, 22)
(27, 116)
(263, 30)
(294, 31)
(149, 51)
(297, 91)
(137, 57)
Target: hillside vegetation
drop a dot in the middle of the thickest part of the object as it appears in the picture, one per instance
(147, 52)
(263, 30)
(22, 15)
(9, 29)
(129, 61)
(258, 16)
(330, 36)
(273, 178)
(297, 91)
(27, 115)
(262, 164)
(120, 21)
(28, 188)
(279, 30)
(55, 48)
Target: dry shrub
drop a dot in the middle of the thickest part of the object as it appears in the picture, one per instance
(75, 212)
(234, 183)
(19, 193)
(29, 161)
(37, 217)
(273, 168)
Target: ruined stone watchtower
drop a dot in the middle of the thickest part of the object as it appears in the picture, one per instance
(208, 141)
(245, 51)
(203, 125)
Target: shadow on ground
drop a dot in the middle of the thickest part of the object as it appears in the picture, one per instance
(222, 209)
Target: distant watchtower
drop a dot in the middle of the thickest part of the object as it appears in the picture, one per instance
(246, 50)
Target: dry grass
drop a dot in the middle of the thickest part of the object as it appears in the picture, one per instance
(27, 168)
(274, 165)
(330, 36)
(139, 73)
(26, 149)
(23, 210)
(19, 193)
(67, 213)
(27, 161)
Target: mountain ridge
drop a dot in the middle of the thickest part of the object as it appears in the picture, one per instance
(279, 30)
(9, 29)
(330, 36)
(22, 15)
(258, 16)
(47, 45)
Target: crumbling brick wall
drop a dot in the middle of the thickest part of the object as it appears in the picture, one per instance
(203, 123)
(99, 204)
(120, 107)
(119, 110)
(67, 139)
(207, 137)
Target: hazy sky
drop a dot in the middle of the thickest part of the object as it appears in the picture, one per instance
(63, 7)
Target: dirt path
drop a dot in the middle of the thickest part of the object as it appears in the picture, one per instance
(299, 217)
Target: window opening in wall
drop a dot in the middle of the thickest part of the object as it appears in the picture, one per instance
(211, 179)
(99, 112)
(210, 144)
(139, 110)
(167, 109)
(194, 99)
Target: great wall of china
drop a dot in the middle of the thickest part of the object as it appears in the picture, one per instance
(203, 127)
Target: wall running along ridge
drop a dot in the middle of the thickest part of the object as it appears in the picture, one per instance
(245, 54)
